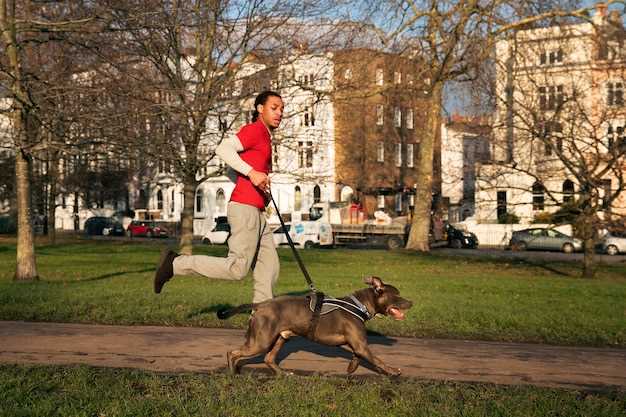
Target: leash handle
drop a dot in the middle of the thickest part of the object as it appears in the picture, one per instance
(307, 277)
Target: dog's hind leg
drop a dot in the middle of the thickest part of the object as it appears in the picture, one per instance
(270, 358)
(259, 339)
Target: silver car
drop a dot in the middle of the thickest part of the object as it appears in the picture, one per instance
(544, 239)
(613, 244)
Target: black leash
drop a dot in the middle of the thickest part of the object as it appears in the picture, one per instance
(293, 248)
(319, 295)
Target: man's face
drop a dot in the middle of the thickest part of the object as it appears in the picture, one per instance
(272, 111)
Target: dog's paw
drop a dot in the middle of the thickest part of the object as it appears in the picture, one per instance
(394, 371)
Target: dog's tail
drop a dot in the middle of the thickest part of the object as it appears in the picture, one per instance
(225, 313)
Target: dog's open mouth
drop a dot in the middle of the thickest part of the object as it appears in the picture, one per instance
(396, 313)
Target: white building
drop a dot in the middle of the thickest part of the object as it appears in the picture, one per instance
(560, 110)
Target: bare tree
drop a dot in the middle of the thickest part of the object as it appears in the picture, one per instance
(26, 28)
(453, 39)
(188, 64)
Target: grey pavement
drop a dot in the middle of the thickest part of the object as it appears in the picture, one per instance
(191, 349)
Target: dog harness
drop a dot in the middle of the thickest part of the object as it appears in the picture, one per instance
(348, 304)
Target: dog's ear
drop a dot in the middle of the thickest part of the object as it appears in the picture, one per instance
(375, 282)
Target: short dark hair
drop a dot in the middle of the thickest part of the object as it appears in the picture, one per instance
(262, 99)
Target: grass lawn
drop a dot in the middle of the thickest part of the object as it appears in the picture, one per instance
(111, 282)
(84, 391)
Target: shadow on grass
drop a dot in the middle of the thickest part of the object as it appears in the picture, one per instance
(208, 310)
(544, 265)
(3, 249)
(100, 277)
(520, 260)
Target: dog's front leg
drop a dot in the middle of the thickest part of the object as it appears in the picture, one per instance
(362, 350)
(354, 364)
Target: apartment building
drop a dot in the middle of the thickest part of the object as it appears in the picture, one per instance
(559, 122)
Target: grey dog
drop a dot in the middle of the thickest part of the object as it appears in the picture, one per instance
(274, 321)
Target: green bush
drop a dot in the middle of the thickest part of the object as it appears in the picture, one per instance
(508, 218)
(543, 217)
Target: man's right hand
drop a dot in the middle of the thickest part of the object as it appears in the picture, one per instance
(259, 179)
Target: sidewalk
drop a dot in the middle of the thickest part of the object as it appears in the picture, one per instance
(191, 349)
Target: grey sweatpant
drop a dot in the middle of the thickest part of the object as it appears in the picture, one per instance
(246, 224)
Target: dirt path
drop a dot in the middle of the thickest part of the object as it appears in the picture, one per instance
(184, 349)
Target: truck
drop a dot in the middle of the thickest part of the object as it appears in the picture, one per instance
(342, 223)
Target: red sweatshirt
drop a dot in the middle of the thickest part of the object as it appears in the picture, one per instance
(257, 152)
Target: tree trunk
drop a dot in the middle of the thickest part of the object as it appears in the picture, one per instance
(52, 194)
(420, 225)
(589, 269)
(26, 267)
(186, 232)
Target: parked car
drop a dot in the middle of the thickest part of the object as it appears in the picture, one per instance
(99, 225)
(459, 238)
(145, 228)
(219, 234)
(613, 243)
(544, 239)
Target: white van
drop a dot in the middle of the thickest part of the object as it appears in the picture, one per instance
(305, 234)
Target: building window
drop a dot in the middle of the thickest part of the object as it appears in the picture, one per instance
(550, 97)
(297, 199)
(223, 125)
(606, 194)
(306, 79)
(410, 156)
(317, 194)
(305, 154)
(380, 152)
(551, 57)
(307, 117)
(551, 137)
(399, 202)
(172, 201)
(501, 205)
(199, 200)
(409, 119)
(397, 118)
(397, 77)
(381, 201)
(615, 94)
(380, 77)
(159, 197)
(380, 114)
(568, 191)
(616, 137)
(538, 196)
(398, 154)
